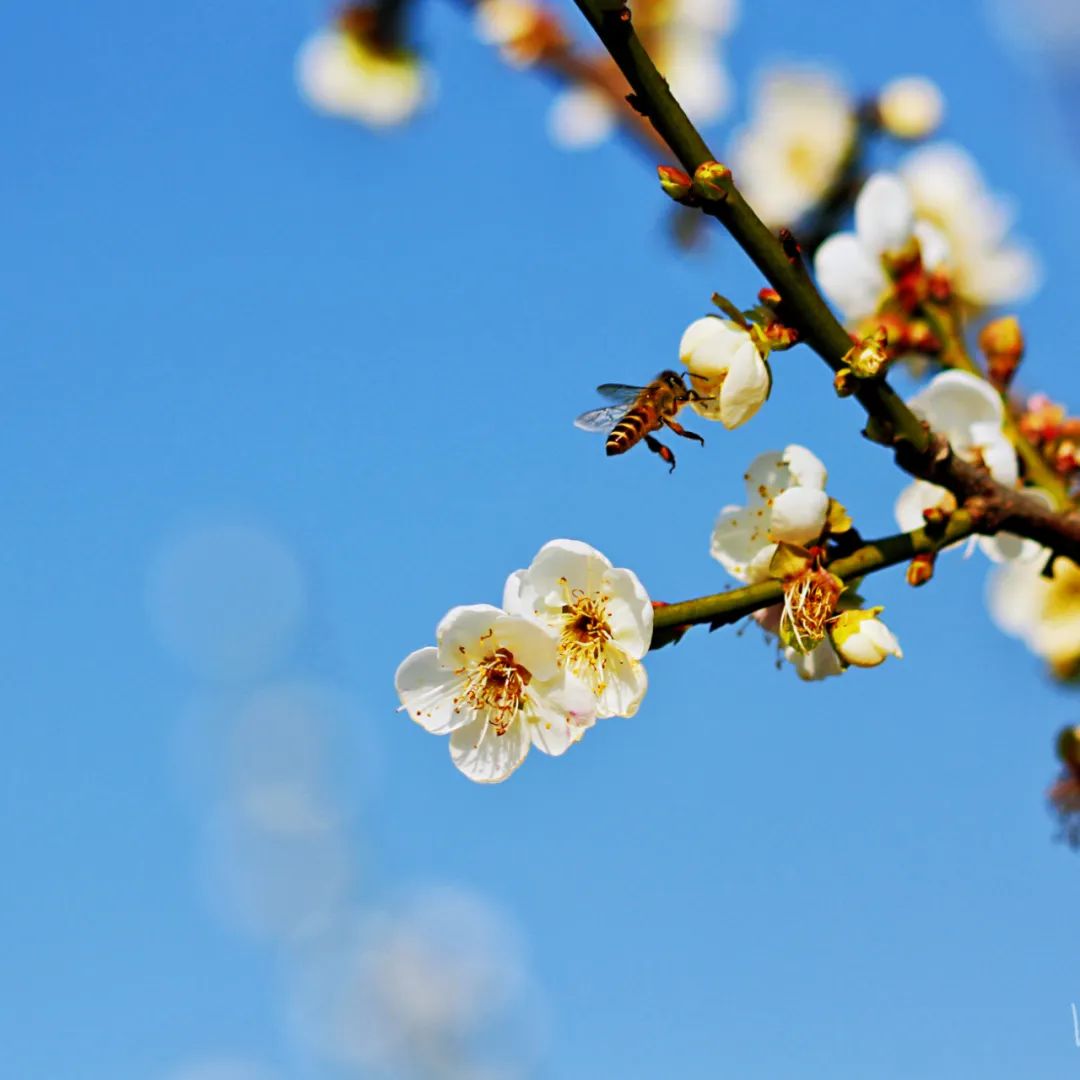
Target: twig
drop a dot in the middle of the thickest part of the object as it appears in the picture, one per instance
(918, 450)
(873, 555)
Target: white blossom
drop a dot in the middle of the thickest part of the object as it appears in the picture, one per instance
(947, 189)
(850, 266)
(911, 107)
(339, 73)
(1042, 611)
(786, 501)
(600, 615)
(494, 684)
(685, 39)
(969, 412)
(793, 148)
(730, 372)
(862, 639)
(579, 118)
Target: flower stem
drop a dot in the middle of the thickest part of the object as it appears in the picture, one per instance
(874, 555)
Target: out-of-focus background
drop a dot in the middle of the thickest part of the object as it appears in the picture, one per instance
(279, 392)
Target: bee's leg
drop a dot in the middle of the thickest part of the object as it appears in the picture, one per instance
(657, 447)
(680, 430)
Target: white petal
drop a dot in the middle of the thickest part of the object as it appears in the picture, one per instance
(630, 612)
(534, 647)
(486, 757)
(1015, 596)
(512, 603)
(807, 469)
(882, 637)
(559, 566)
(739, 534)
(580, 118)
(745, 388)
(709, 345)
(819, 663)
(798, 515)
(625, 683)
(997, 452)
(884, 216)
(933, 246)
(954, 400)
(464, 634)
(428, 691)
(759, 567)
(767, 475)
(859, 649)
(913, 500)
(850, 276)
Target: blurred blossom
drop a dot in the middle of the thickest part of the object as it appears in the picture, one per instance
(855, 270)
(274, 882)
(435, 987)
(1044, 612)
(226, 601)
(984, 266)
(685, 38)
(221, 1068)
(580, 117)
(910, 107)
(279, 863)
(795, 145)
(340, 72)
(1046, 26)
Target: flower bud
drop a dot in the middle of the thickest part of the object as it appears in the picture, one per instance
(920, 570)
(711, 181)
(676, 184)
(862, 639)
(844, 382)
(1002, 343)
(868, 358)
(910, 108)
(1068, 747)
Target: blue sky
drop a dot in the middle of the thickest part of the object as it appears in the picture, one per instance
(280, 392)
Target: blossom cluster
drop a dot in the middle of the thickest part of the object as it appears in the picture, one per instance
(564, 650)
(780, 534)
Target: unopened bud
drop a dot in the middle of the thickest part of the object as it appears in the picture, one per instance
(910, 108)
(711, 181)
(920, 570)
(937, 515)
(1068, 747)
(1067, 457)
(844, 382)
(1002, 343)
(868, 358)
(676, 184)
(769, 297)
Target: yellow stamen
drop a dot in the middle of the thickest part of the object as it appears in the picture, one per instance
(495, 686)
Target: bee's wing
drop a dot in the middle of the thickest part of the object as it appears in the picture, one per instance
(620, 391)
(604, 419)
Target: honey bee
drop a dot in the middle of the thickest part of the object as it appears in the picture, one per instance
(639, 411)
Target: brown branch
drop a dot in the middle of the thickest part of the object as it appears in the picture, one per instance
(918, 450)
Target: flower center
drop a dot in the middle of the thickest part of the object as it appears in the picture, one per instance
(585, 632)
(809, 602)
(496, 686)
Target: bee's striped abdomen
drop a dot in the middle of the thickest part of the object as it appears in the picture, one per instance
(629, 430)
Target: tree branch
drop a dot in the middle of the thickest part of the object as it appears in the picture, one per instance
(918, 450)
(728, 607)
